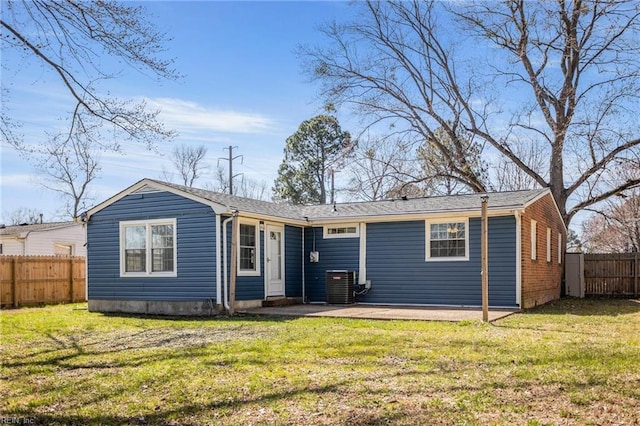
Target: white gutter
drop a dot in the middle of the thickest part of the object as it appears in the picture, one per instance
(218, 262)
(304, 300)
(518, 217)
(362, 260)
(224, 253)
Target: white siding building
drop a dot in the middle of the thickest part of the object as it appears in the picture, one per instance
(44, 239)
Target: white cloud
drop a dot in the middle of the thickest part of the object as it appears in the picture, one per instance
(18, 180)
(191, 117)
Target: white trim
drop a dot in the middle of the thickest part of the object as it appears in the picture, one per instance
(534, 239)
(255, 272)
(148, 247)
(327, 236)
(548, 244)
(518, 257)
(362, 259)
(427, 229)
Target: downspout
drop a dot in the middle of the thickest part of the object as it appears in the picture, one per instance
(218, 264)
(518, 217)
(304, 299)
(362, 256)
(224, 254)
(234, 260)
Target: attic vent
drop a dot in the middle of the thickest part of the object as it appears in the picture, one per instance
(146, 190)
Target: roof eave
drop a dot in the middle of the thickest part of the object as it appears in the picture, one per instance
(502, 211)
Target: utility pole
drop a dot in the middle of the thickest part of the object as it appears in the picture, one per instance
(230, 160)
(484, 254)
(332, 172)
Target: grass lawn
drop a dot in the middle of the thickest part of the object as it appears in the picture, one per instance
(569, 362)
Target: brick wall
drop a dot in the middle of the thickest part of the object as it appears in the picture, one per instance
(542, 279)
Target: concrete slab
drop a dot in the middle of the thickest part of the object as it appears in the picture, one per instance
(382, 312)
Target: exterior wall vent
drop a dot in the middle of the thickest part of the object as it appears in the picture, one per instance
(340, 286)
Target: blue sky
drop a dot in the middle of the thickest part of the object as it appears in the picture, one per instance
(242, 86)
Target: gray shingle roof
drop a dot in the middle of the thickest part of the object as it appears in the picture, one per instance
(242, 204)
(19, 229)
(427, 205)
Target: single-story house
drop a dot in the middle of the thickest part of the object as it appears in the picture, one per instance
(158, 247)
(44, 239)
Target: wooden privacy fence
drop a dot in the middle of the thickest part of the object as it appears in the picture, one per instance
(611, 274)
(34, 280)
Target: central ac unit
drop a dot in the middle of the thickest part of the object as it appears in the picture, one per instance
(340, 286)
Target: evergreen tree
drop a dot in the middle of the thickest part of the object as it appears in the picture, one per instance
(318, 146)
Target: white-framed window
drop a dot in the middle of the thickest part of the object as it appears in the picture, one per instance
(447, 239)
(343, 230)
(534, 239)
(249, 248)
(62, 249)
(148, 248)
(559, 248)
(548, 244)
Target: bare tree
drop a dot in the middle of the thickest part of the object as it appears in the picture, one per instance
(509, 177)
(380, 168)
(22, 215)
(248, 188)
(67, 165)
(70, 39)
(189, 162)
(435, 156)
(615, 229)
(565, 73)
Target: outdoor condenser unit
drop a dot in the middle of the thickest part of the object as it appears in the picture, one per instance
(340, 286)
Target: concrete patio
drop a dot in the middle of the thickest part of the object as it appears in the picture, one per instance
(381, 312)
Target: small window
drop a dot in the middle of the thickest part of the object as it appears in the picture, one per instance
(447, 240)
(548, 244)
(534, 240)
(559, 248)
(248, 249)
(148, 248)
(60, 249)
(341, 231)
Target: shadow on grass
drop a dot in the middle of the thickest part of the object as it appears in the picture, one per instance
(184, 414)
(606, 306)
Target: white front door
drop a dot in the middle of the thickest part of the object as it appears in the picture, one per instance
(275, 260)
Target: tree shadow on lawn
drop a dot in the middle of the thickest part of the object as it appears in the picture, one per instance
(607, 306)
(104, 343)
(185, 414)
(338, 393)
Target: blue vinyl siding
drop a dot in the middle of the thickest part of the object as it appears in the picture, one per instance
(335, 253)
(247, 287)
(399, 273)
(196, 236)
(293, 261)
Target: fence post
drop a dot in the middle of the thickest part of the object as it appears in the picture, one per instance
(71, 267)
(14, 278)
(635, 275)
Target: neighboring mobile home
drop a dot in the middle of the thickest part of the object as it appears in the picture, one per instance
(44, 239)
(158, 247)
